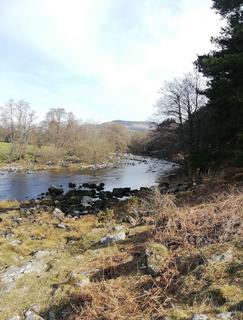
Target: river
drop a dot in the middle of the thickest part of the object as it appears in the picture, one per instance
(136, 173)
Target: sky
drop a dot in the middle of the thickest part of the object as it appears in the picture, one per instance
(100, 59)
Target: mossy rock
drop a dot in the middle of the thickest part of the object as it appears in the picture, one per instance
(156, 255)
(221, 295)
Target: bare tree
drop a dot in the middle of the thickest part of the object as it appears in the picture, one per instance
(180, 100)
(18, 119)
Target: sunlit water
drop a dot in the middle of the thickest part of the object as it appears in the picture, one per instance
(21, 186)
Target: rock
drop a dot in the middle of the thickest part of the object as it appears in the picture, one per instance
(54, 192)
(14, 318)
(9, 276)
(15, 242)
(118, 228)
(156, 255)
(78, 279)
(225, 315)
(57, 213)
(109, 239)
(71, 185)
(35, 308)
(227, 256)
(30, 315)
(105, 194)
(61, 226)
(86, 201)
(199, 316)
(41, 254)
(121, 192)
(51, 315)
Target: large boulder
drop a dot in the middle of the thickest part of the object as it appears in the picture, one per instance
(156, 255)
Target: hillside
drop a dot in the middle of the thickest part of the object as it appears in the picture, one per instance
(134, 125)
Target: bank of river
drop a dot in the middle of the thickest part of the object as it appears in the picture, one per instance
(134, 172)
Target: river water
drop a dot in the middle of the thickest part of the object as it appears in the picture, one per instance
(141, 172)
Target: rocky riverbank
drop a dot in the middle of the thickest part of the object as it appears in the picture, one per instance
(113, 161)
(152, 256)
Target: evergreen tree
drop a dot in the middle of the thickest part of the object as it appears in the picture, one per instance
(223, 136)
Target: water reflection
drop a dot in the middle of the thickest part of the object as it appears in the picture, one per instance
(21, 185)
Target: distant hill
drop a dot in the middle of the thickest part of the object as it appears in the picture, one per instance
(134, 125)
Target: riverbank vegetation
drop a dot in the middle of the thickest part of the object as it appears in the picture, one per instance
(60, 138)
(167, 257)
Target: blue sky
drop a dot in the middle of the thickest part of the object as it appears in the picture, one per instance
(101, 59)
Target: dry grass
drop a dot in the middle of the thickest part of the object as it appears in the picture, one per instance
(120, 287)
(217, 221)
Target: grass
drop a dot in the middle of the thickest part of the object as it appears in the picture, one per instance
(120, 287)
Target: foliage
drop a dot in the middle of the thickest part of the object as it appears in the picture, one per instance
(224, 68)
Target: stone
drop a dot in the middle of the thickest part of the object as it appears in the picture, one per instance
(118, 228)
(225, 315)
(15, 242)
(71, 185)
(14, 318)
(57, 213)
(9, 276)
(61, 226)
(51, 315)
(30, 315)
(112, 238)
(86, 201)
(199, 316)
(35, 308)
(78, 279)
(41, 254)
(156, 254)
(227, 256)
(54, 192)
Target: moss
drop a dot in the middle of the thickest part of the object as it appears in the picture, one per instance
(156, 255)
(221, 295)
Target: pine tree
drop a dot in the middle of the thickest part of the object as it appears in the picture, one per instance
(223, 137)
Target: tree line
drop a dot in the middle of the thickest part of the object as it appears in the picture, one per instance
(58, 136)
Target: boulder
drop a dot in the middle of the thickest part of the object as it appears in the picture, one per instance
(86, 201)
(225, 315)
(156, 255)
(30, 315)
(61, 226)
(54, 192)
(57, 213)
(112, 238)
(121, 192)
(227, 256)
(100, 187)
(72, 185)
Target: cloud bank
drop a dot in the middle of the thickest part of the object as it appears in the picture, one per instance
(101, 59)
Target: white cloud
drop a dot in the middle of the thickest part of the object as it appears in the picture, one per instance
(100, 58)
